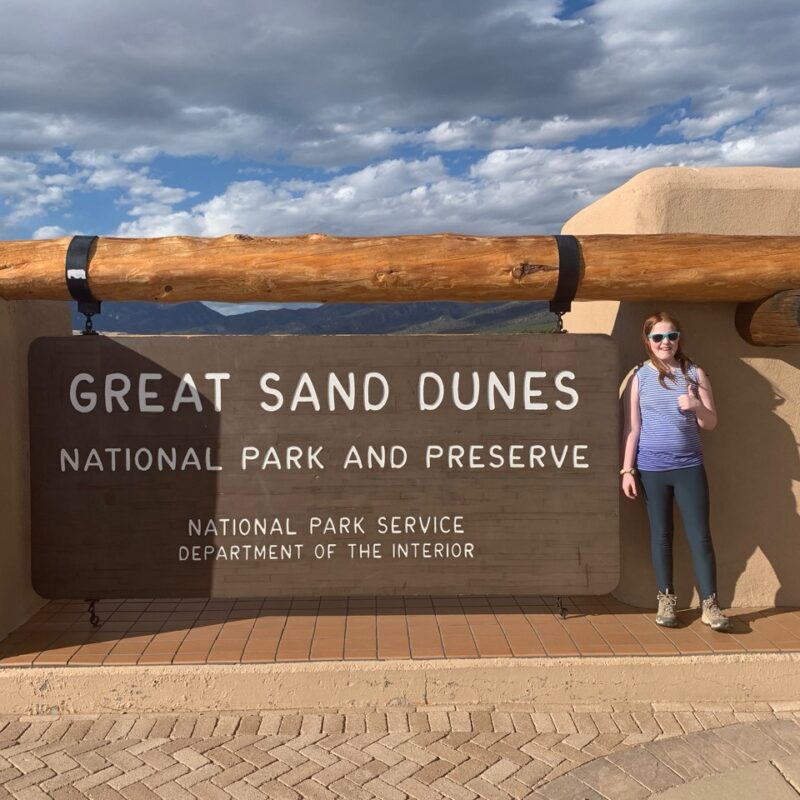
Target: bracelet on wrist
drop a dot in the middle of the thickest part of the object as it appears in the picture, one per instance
(632, 471)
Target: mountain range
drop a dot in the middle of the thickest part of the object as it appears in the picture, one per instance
(352, 318)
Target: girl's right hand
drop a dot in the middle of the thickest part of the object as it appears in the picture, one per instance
(629, 486)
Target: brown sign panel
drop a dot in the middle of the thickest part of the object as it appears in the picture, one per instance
(204, 466)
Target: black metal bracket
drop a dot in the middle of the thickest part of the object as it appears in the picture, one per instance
(560, 608)
(76, 272)
(569, 275)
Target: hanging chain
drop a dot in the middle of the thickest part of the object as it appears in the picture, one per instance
(560, 322)
(88, 328)
(93, 618)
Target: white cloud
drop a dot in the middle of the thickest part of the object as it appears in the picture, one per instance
(725, 109)
(301, 83)
(382, 105)
(242, 308)
(30, 187)
(727, 60)
(514, 191)
(270, 79)
(106, 171)
(49, 232)
(486, 134)
(28, 190)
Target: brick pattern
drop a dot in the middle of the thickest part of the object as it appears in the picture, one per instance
(609, 752)
(656, 766)
(174, 631)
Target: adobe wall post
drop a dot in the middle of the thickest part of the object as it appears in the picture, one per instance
(752, 456)
(20, 324)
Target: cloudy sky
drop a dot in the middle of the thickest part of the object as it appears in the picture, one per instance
(362, 117)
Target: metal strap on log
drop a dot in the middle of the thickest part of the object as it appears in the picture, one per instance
(76, 273)
(444, 266)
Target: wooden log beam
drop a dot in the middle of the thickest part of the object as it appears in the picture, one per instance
(773, 322)
(444, 266)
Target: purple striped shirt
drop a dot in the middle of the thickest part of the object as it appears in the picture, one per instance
(669, 438)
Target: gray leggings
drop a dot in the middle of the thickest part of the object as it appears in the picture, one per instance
(689, 487)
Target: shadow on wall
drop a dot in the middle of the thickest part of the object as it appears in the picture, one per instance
(102, 523)
(751, 458)
(758, 464)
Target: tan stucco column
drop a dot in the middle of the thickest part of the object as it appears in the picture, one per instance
(20, 324)
(752, 456)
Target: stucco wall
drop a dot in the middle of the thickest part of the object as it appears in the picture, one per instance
(20, 323)
(752, 456)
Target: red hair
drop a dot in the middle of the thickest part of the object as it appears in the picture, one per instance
(683, 360)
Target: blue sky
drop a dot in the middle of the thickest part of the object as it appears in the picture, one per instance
(361, 118)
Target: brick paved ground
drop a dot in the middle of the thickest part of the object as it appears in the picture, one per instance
(263, 630)
(612, 752)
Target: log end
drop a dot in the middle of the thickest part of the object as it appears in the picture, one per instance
(771, 322)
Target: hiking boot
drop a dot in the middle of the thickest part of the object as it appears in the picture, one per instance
(666, 610)
(713, 616)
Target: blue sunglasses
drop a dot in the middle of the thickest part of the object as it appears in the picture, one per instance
(673, 336)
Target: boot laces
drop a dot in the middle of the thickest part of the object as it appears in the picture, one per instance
(711, 605)
(667, 601)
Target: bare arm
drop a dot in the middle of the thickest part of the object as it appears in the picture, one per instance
(633, 423)
(701, 402)
(706, 411)
(630, 434)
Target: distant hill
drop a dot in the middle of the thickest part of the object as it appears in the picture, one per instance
(150, 318)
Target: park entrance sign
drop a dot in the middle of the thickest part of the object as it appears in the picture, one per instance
(204, 466)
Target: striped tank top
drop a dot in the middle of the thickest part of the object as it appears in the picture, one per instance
(669, 438)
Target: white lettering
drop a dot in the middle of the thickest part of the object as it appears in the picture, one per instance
(423, 378)
(89, 398)
(216, 378)
(117, 394)
(187, 384)
(145, 396)
(476, 387)
(305, 393)
(568, 390)
(268, 390)
(347, 395)
(371, 405)
(508, 394)
(530, 392)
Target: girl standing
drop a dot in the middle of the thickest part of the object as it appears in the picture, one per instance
(667, 398)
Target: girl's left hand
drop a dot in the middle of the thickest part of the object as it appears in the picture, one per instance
(690, 401)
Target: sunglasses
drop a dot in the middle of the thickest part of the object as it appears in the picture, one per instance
(673, 336)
